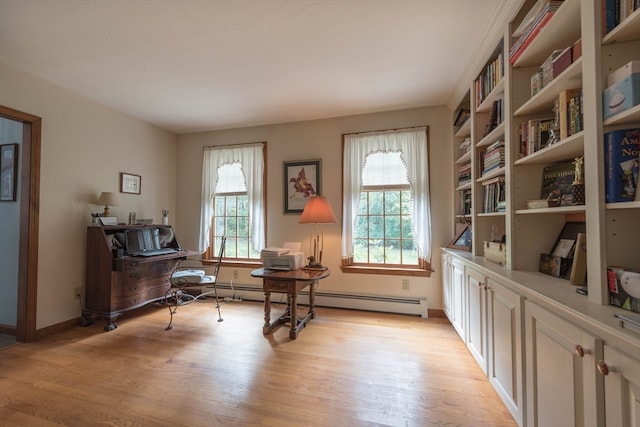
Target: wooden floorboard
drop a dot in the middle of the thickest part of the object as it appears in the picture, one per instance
(347, 368)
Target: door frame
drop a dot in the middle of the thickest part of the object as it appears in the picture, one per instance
(29, 222)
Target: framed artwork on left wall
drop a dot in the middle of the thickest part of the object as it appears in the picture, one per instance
(8, 172)
(130, 183)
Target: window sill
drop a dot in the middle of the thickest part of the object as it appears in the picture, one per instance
(234, 263)
(386, 270)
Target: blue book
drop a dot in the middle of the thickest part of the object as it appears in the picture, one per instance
(610, 15)
(621, 165)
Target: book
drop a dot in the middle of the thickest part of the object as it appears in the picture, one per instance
(579, 266)
(610, 15)
(621, 164)
(557, 180)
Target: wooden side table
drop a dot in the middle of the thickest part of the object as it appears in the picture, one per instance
(289, 282)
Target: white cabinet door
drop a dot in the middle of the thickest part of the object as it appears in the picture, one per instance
(476, 316)
(504, 350)
(561, 382)
(446, 285)
(457, 297)
(621, 388)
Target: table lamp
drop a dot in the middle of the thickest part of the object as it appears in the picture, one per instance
(107, 199)
(317, 211)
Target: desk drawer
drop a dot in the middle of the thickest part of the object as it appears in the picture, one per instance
(138, 299)
(275, 285)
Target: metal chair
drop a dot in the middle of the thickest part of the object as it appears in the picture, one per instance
(186, 277)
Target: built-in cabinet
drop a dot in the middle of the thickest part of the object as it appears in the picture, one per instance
(555, 357)
(561, 378)
(622, 387)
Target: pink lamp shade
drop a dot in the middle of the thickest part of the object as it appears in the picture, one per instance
(317, 211)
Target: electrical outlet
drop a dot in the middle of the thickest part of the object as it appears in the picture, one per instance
(405, 284)
(77, 293)
(235, 274)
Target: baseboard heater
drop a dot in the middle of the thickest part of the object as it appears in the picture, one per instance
(416, 306)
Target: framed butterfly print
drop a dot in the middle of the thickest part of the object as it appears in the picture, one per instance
(301, 181)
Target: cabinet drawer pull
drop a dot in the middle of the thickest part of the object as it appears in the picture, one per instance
(133, 287)
(134, 275)
(603, 368)
(579, 350)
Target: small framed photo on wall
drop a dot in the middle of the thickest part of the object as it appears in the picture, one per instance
(301, 181)
(130, 183)
(8, 172)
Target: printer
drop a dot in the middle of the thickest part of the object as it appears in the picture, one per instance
(281, 258)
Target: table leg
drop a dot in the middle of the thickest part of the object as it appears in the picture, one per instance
(293, 332)
(312, 300)
(267, 313)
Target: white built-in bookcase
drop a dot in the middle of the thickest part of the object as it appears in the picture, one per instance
(613, 230)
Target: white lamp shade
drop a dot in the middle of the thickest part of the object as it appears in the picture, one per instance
(317, 211)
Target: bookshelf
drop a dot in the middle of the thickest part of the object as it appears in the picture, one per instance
(573, 336)
(611, 228)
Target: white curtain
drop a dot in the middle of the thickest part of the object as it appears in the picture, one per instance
(250, 156)
(413, 145)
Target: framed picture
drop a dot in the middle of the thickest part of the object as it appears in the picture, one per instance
(301, 181)
(8, 172)
(130, 183)
(462, 239)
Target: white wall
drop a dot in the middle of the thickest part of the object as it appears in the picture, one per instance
(85, 145)
(84, 148)
(322, 139)
(10, 133)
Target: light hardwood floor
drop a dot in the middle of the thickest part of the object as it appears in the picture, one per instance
(347, 368)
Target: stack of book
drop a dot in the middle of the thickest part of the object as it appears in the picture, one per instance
(493, 193)
(535, 135)
(493, 157)
(465, 146)
(489, 78)
(531, 26)
(464, 174)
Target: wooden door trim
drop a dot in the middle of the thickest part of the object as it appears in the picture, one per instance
(29, 222)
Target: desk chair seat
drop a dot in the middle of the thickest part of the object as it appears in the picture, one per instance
(185, 278)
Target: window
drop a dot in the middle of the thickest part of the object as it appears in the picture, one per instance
(386, 220)
(232, 201)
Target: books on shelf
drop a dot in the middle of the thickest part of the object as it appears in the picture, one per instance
(493, 195)
(465, 202)
(544, 12)
(621, 155)
(569, 111)
(465, 146)
(535, 135)
(495, 118)
(493, 157)
(464, 174)
(489, 78)
(557, 182)
(616, 11)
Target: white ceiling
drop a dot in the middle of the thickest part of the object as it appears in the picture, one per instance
(196, 65)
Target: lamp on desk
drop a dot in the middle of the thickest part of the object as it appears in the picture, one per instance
(107, 199)
(317, 211)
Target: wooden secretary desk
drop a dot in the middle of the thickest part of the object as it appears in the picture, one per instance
(116, 281)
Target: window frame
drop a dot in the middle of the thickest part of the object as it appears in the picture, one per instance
(210, 251)
(423, 267)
